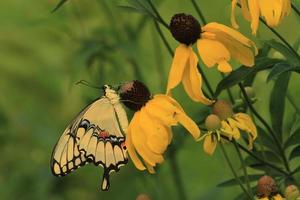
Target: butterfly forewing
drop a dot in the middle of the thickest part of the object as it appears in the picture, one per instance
(93, 136)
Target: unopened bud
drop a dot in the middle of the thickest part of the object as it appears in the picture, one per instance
(223, 109)
(266, 186)
(143, 197)
(292, 192)
(212, 122)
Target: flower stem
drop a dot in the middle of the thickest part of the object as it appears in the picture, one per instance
(261, 119)
(243, 166)
(176, 175)
(234, 172)
(159, 17)
(296, 9)
(199, 12)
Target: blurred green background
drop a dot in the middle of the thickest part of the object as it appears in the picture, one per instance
(43, 55)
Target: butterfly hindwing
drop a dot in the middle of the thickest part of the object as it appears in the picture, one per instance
(93, 137)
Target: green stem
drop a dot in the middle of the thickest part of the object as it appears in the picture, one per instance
(199, 12)
(160, 19)
(163, 39)
(243, 166)
(293, 103)
(234, 172)
(261, 119)
(176, 175)
(296, 9)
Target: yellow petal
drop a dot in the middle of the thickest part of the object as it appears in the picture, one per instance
(134, 157)
(286, 8)
(254, 12)
(233, 19)
(212, 52)
(179, 62)
(248, 122)
(169, 99)
(271, 11)
(235, 131)
(189, 124)
(226, 130)
(150, 168)
(245, 10)
(224, 67)
(139, 141)
(162, 110)
(222, 29)
(278, 197)
(157, 136)
(192, 81)
(242, 53)
(210, 144)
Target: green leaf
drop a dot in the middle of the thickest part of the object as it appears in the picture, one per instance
(285, 51)
(60, 4)
(138, 6)
(281, 68)
(243, 72)
(277, 103)
(266, 139)
(293, 139)
(295, 152)
(233, 181)
(266, 155)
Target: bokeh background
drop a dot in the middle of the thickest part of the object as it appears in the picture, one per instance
(43, 55)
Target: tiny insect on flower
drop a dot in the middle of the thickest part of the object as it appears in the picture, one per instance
(273, 11)
(149, 132)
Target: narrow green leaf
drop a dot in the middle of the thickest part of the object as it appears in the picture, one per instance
(293, 139)
(284, 50)
(277, 103)
(281, 68)
(266, 155)
(266, 139)
(60, 4)
(295, 152)
(233, 181)
(243, 72)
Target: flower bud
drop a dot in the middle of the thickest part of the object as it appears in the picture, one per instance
(266, 187)
(212, 122)
(250, 92)
(291, 192)
(222, 109)
(143, 197)
(134, 95)
(185, 28)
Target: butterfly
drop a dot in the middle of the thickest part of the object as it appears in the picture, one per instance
(94, 136)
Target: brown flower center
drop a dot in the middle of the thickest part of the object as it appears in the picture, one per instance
(134, 95)
(185, 28)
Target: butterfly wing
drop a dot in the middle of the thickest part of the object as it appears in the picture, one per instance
(93, 137)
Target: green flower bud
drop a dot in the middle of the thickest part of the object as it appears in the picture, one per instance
(292, 192)
(212, 122)
(222, 109)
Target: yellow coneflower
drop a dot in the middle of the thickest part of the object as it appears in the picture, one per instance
(216, 44)
(273, 11)
(149, 132)
(224, 123)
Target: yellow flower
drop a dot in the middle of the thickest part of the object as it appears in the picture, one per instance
(219, 43)
(229, 126)
(216, 44)
(275, 197)
(273, 11)
(149, 132)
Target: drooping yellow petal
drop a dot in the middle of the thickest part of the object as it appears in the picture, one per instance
(180, 60)
(210, 144)
(286, 8)
(150, 168)
(271, 10)
(278, 197)
(224, 66)
(131, 151)
(245, 10)
(188, 124)
(139, 142)
(235, 131)
(226, 130)
(156, 135)
(248, 122)
(212, 52)
(161, 110)
(242, 53)
(254, 12)
(192, 81)
(233, 18)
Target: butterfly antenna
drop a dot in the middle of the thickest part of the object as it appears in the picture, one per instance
(129, 101)
(84, 82)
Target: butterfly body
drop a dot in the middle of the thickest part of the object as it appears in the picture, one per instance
(94, 136)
